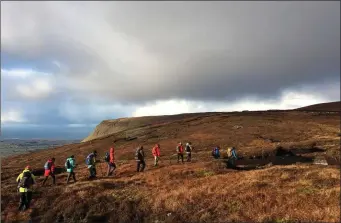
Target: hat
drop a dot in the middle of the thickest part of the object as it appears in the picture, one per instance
(28, 168)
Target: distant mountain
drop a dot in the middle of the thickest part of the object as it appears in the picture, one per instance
(327, 107)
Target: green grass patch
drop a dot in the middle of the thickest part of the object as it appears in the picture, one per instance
(306, 190)
(205, 173)
(234, 206)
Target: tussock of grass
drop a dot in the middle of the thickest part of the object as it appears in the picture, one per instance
(204, 173)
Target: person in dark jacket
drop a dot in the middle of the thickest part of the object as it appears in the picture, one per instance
(91, 162)
(139, 157)
(188, 150)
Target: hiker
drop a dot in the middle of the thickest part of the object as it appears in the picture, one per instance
(180, 152)
(139, 157)
(156, 154)
(188, 150)
(70, 165)
(49, 170)
(91, 162)
(231, 156)
(216, 152)
(25, 182)
(110, 159)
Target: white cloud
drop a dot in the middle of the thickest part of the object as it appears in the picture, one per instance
(57, 64)
(36, 89)
(169, 107)
(27, 84)
(289, 100)
(12, 116)
(22, 73)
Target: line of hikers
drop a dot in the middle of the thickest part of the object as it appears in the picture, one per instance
(140, 157)
(26, 179)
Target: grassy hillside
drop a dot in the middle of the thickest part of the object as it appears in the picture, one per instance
(327, 107)
(201, 191)
(108, 127)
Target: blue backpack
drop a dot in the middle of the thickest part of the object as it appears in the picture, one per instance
(217, 152)
(88, 160)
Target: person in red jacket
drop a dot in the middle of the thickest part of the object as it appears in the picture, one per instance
(111, 163)
(180, 151)
(156, 154)
(49, 170)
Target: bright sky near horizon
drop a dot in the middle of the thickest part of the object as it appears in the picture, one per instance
(66, 66)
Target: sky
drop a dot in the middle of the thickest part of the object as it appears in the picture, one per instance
(66, 66)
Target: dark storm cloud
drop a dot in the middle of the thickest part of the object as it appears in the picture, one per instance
(134, 52)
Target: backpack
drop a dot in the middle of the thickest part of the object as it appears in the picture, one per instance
(88, 159)
(68, 164)
(138, 155)
(215, 152)
(230, 152)
(26, 180)
(107, 157)
(188, 148)
(233, 153)
(47, 165)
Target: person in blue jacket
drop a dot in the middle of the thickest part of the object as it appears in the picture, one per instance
(216, 152)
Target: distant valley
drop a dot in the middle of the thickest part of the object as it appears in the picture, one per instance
(18, 146)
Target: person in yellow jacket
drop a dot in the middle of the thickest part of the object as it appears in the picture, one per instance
(232, 156)
(25, 182)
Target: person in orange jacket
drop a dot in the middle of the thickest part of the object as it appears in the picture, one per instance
(111, 163)
(156, 153)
